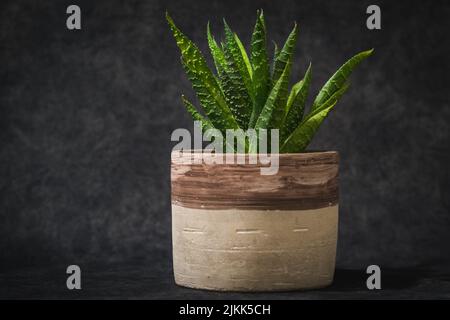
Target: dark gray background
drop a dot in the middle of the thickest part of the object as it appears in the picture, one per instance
(86, 118)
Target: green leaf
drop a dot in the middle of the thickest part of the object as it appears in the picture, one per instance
(244, 55)
(234, 84)
(300, 138)
(260, 66)
(196, 116)
(339, 78)
(279, 111)
(221, 120)
(236, 97)
(305, 131)
(260, 13)
(216, 53)
(235, 52)
(276, 53)
(285, 54)
(296, 105)
(203, 81)
(293, 94)
(334, 98)
(276, 101)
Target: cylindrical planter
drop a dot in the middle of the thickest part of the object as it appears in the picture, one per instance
(235, 229)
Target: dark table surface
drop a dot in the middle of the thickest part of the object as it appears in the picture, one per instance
(155, 281)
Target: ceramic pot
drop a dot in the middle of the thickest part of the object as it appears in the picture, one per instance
(234, 229)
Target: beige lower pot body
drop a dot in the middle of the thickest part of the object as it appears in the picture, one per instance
(237, 230)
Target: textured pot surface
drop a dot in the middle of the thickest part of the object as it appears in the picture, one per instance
(235, 229)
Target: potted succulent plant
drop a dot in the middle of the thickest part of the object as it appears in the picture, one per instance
(232, 227)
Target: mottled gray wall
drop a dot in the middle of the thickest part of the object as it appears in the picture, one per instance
(86, 117)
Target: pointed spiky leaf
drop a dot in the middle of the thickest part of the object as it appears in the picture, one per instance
(233, 84)
(244, 56)
(216, 53)
(276, 53)
(339, 78)
(196, 116)
(334, 98)
(203, 81)
(221, 120)
(236, 97)
(279, 112)
(260, 66)
(211, 101)
(303, 134)
(235, 52)
(260, 13)
(294, 91)
(285, 54)
(296, 105)
(273, 110)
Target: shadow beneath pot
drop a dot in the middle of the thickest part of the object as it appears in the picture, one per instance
(402, 278)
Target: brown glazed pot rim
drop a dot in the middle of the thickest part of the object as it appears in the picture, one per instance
(303, 181)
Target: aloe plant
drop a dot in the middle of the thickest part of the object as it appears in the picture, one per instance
(246, 92)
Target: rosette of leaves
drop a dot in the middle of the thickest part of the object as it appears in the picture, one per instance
(247, 92)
